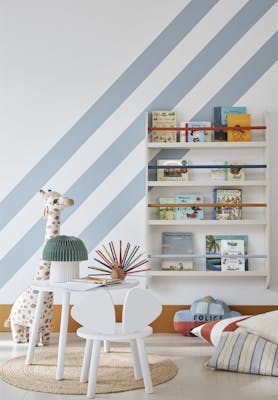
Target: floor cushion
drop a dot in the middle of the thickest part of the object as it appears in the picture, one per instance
(211, 331)
(245, 352)
(264, 325)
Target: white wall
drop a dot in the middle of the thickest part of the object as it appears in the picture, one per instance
(60, 58)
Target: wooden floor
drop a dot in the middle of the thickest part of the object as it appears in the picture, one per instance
(194, 380)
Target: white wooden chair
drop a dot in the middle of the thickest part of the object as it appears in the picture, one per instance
(96, 314)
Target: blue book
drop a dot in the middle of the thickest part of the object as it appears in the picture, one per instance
(177, 243)
(195, 212)
(220, 119)
(196, 136)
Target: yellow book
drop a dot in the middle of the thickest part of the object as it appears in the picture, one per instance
(238, 120)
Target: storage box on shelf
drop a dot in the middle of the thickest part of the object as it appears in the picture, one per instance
(255, 201)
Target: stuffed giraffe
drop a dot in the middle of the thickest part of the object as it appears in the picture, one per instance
(23, 310)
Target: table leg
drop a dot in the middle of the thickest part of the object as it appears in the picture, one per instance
(106, 346)
(35, 329)
(63, 336)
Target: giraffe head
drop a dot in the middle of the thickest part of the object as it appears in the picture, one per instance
(54, 202)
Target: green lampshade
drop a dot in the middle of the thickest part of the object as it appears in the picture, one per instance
(64, 248)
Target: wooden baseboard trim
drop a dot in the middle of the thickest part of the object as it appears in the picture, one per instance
(163, 324)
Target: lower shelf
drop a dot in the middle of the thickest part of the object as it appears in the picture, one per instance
(208, 274)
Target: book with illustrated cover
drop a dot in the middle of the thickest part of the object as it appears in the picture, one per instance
(172, 174)
(207, 134)
(175, 243)
(218, 174)
(166, 213)
(232, 196)
(195, 136)
(195, 212)
(235, 173)
(233, 245)
(238, 120)
(220, 119)
(235, 248)
(164, 119)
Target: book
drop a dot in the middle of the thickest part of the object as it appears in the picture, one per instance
(207, 134)
(194, 212)
(238, 120)
(97, 280)
(218, 174)
(164, 119)
(227, 196)
(176, 243)
(234, 173)
(220, 119)
(166, 213)
(172, 174)
(232, 247)
(195, 136)
(215, 249)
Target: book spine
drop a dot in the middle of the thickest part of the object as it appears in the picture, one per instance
(215, 201)
(219, 136)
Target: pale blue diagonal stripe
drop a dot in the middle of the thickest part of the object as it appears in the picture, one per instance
(136, 73)
(29, 243)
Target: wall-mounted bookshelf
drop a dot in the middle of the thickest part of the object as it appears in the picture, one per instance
(255, 220)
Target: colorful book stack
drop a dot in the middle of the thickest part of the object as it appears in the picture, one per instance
(235, 246)
(220, 119)
(227, 196)
(177, 243)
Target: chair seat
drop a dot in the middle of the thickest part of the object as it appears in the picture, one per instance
(117, 337)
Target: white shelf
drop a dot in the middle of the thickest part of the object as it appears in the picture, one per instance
(206, 184)
(204, 222)
(207, 145)
(207, 274)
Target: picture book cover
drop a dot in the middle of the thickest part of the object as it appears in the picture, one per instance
(232, 196)
(235, 248)
(207, 134)
(218, 174)
(238, 120)
(195, 212)
(214, 249)
(195, 136)
(172, 174)
(235, 173)
(166, 213)
(220, 119)
(175, 243)
(164, 119)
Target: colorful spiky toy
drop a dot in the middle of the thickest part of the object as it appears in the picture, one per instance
(119, 265)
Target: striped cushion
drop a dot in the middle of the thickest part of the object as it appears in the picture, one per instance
(211, 331)
(245, 352)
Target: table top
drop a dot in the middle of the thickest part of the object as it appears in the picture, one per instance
(46, 286)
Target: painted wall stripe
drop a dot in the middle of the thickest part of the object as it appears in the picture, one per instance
(114, 212)
(136, 73)
(244, 79)
(130, 137)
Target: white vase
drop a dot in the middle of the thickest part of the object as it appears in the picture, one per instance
(63, 271)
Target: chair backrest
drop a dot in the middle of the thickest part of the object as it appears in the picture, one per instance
(140, 309)
(96, 311)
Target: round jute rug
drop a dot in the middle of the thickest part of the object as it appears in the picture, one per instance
(115, 373)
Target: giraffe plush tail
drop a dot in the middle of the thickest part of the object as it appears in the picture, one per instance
(7, 323)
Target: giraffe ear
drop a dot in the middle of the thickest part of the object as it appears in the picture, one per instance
(42, 191)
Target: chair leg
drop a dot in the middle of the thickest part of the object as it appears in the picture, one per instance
(86, 361)
(144, 365)
(106, 346)
(136, 361)
(91, 391)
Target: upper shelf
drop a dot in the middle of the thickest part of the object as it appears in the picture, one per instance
(207, 183)
(207, 145)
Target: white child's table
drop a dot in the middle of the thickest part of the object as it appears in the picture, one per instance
(44, 286)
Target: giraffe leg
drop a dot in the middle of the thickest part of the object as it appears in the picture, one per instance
(18, 333)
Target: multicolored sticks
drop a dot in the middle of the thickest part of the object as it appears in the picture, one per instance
(127, 261)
